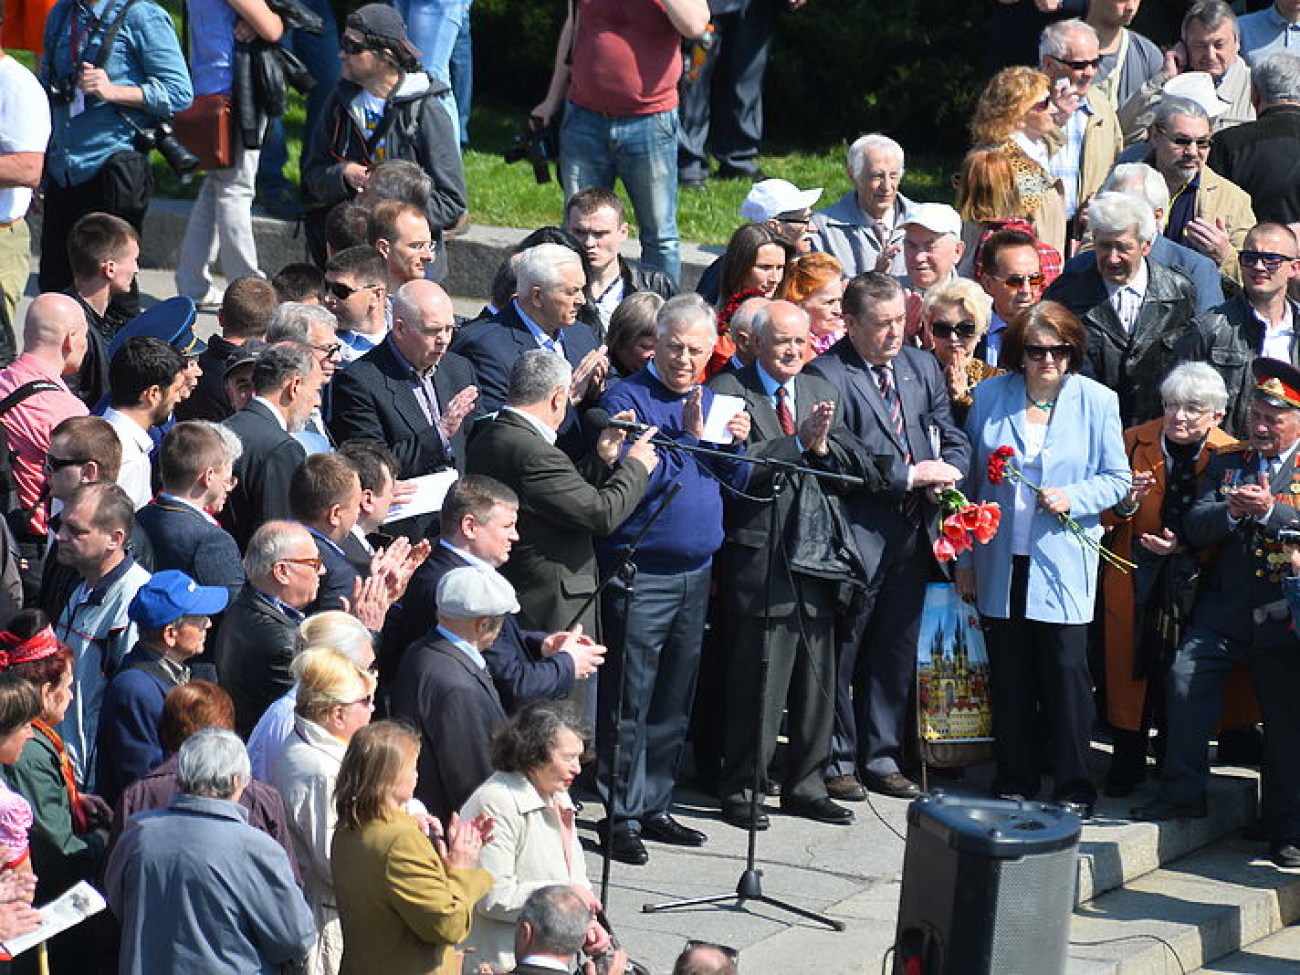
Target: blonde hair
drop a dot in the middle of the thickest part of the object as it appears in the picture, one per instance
(327, 678)
(1004, 102)
(960, 293)
(807, 273)
(375, 758)
(339, 630)
(986, 187)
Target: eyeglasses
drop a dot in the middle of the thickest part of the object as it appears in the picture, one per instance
(1076, 65)
(803, 221)
(1040, 352)
(965, 329)
(365, 702)
(351, 45)
(1271, 260)
(1183, 141)
(315, 563)
(343, 291)
(329, 351)
(59, 463)
(1189, 410)
(1035, 280)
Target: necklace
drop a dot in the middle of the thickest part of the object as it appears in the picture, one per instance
(1044, 405)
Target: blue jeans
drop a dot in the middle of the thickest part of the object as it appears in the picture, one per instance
(641, 150)
(434, 26)
(320, 53)
(462, 76)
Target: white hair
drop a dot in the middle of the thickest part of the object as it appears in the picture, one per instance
(872, 142)
(1140, 180)
(1115, 213)
(539, 267)
(212, 763)
(1056, 37)
(683, 311)
(1195, 384)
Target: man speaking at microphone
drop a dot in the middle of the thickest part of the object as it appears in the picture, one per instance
(654, 631)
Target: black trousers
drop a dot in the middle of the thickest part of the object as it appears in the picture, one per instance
(64, 206)
(1039, 668)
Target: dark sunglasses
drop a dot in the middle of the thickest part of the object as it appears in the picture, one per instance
(1076, 65)
(1020, 280)
(1269, 259)
(343, 292)
(1183, 141)
(1043, 105)
(351, 45)
(1040, 352)
(944, 330)
(59, 463)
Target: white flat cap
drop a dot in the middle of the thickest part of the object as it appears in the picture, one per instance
(473, 591)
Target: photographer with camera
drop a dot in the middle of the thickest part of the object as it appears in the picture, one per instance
(223, 213)
(111, 68)
(385, 107)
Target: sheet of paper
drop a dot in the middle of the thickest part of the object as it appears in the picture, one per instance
(76, 904)
(430, 489)
(722, 409)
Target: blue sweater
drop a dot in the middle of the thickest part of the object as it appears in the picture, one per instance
(129, 742)
(690, 529)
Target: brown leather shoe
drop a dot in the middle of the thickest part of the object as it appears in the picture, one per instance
(894, 784)
(846, 788)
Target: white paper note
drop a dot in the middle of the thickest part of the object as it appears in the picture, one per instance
(430, 489)
(721, 411)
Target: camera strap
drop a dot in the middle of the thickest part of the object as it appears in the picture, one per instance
(106, 42)
(110, 34)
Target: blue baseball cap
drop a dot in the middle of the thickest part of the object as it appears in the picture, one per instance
(171, 594)
(171, 320)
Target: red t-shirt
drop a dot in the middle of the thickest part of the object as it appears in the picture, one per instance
(626, 58)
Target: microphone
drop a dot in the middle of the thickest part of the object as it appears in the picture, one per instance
(598, 419)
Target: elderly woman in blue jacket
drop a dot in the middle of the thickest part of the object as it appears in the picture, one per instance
(1035, 583)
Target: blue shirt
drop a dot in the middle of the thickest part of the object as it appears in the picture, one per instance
(212, 45)
(468, 649)
(544, 341)
(1065, 165)
(1266, 32)
(145, 54)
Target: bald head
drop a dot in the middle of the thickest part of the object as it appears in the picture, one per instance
(55, 331)
(423, 320)
(781, 340)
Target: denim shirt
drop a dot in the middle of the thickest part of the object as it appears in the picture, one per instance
(145, 54)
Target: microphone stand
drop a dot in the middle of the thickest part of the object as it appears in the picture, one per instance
(750, 885)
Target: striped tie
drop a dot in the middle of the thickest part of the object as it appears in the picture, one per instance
(890, 395)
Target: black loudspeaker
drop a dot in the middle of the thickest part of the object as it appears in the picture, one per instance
(988, 888)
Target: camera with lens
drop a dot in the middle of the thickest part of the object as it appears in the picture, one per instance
(62, 90)
(163, 138)
(536, 144)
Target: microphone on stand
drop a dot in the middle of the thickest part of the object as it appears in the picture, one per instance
(598, 419)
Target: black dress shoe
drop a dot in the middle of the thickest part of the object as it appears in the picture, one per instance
(1161, 811)
(823, 810)
(846, 788)
(1284, 854)
(664, 829)
(738, 816)
(894, 784)
(693, 184)
(626, 847)
(755, 175)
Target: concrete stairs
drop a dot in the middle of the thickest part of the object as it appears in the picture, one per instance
(1169, 898)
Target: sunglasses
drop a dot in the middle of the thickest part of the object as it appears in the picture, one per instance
(343, 291)
(59, 463)
(315, 563)
(1040, 352)
(1076, 65)
(351, 45)
(1271, 261)
(1020, 280)
(1043, 105)
(944, 330)
(1183, 141)
(329, 351)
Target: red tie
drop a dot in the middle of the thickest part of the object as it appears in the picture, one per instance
(783, 414)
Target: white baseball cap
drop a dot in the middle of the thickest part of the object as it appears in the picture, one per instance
(773, 197)
(1199, 87)
(939, 217)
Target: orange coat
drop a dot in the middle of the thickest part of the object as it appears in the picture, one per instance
(24, 27)
(1125, 696)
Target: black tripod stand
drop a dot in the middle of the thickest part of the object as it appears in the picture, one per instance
(750, 885)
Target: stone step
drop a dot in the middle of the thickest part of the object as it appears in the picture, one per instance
(1278, 954)
(1189, 913)
(1115, 850)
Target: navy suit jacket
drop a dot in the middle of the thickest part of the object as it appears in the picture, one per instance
(339, 579)
(373, 400)
(266, 466)
(181, 538)
(494, 346)
(520, 675)
(452, 702)
(878, 517)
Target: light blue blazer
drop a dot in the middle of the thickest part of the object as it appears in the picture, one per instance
(1083, 454)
